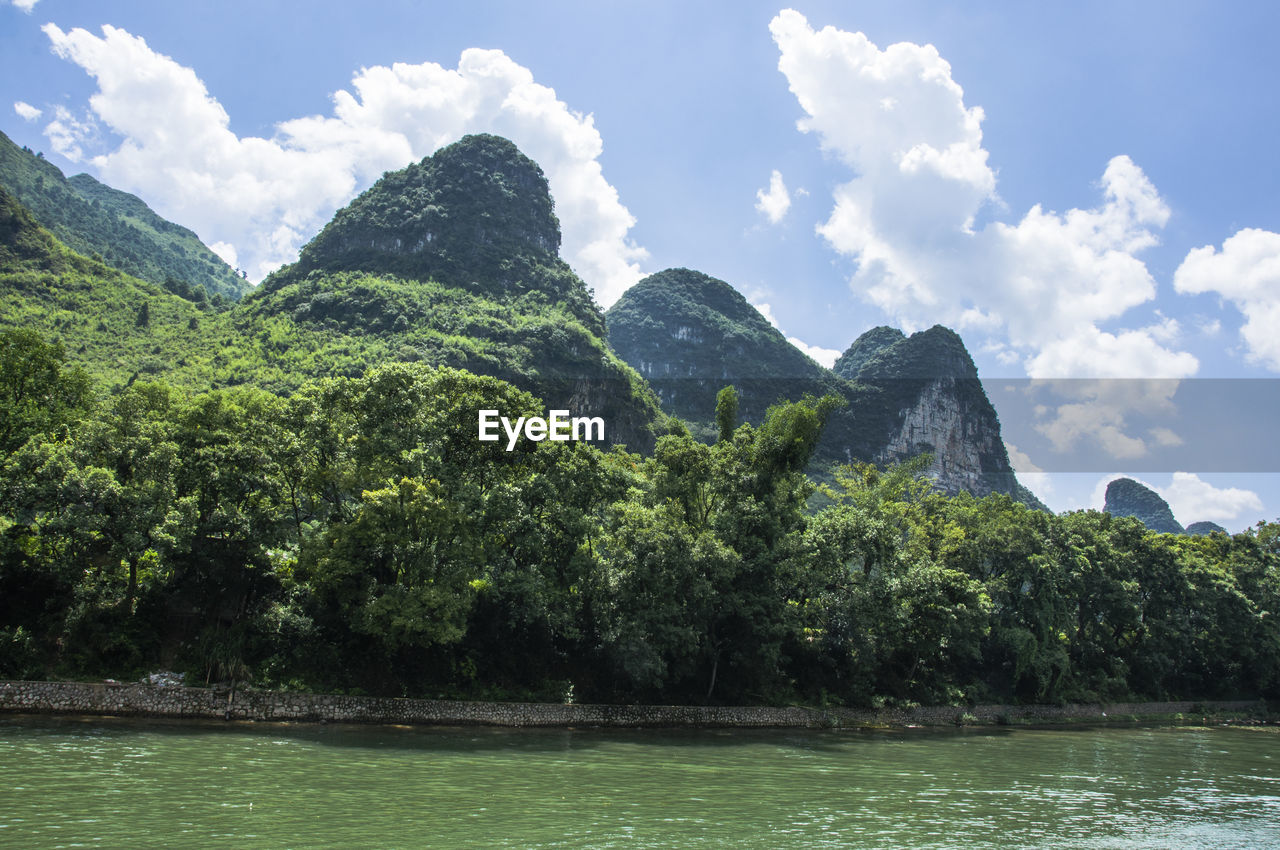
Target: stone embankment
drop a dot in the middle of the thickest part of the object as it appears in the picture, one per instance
(141, 700)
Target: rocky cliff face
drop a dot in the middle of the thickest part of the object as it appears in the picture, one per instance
(1126, 497)
(690, 335)
(930, 400)
(968, 453)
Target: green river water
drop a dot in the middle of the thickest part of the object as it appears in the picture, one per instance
(68, 782)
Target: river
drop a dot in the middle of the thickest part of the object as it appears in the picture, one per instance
(94, 782)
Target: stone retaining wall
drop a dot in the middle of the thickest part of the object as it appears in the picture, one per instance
(140, 700)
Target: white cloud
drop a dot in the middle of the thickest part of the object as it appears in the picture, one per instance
(1039, 290)
(1098, 498)
(1247, 273)
(266, 197)
(1042, 286)
(1101, 422)
(1165, 437)
(1210, 327)
(26, 111)
(26, 5)
(767, 311)
(1193, 500)
(825, 356)
(66, 133)
(227, 252)
(775, 202)
(1097, 410)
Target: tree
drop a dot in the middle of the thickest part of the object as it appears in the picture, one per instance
(38, 391)
(727, 412)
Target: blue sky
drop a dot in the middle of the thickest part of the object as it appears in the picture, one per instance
(1082, 191)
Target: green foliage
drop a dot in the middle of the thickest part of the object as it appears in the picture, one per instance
(118, 228)
(121, 329)
(694, 598)
(38, 392)
(356, 535)
(476, 215)
(727, 412)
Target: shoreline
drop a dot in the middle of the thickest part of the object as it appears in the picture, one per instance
(224, 704)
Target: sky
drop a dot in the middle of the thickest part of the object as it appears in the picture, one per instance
(1084, 192)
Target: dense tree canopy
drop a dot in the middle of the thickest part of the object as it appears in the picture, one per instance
(355, 535)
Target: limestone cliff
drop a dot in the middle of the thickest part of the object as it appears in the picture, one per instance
(930, 400)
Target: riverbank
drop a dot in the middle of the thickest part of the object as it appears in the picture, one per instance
(139, 700)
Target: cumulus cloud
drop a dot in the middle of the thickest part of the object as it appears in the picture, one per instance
(1165, 436)
(1194, 500)
(1099, 411)
(26, 111)
(227, 252)
(775, 202)
(1247, 273)
(66, 133)
(825, 356)
(1036, 292)
(26, 5)
(1041, 287)
(268, 196)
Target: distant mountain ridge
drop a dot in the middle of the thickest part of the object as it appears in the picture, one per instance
(1127, 497)
(94, 219)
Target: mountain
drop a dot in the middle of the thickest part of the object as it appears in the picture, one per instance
(1204, 527)
(118, 228)
(1126, 497)
(865, 347)
(929, 399)
(118, 327)
(477, 215)
(455, 261)
(690, 335)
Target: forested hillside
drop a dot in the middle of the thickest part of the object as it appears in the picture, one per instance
(115, 227)
(512, 310)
